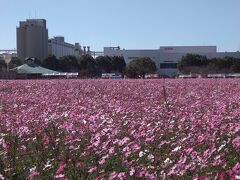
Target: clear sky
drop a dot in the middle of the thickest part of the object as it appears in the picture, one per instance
(132, 24)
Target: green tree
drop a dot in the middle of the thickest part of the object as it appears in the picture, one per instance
(3, 65)
(225, 65)
(68, 64)
(132, 71)
(192, 62)
(140, 67)
(88, 66)
(118, 64)
(37, 61)
(235, 68)
(51, 62)
(15, 62)
(104, 64)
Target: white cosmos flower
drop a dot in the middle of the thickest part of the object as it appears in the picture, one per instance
(141, 154)
(150, 157)
(167, 160)
(176, 149)
(32, 169)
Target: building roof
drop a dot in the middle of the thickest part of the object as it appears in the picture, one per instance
(32, 69)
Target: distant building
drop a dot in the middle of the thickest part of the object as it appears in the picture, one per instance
(33, 42)
(58, 47)
(167, 57)
(32, 39)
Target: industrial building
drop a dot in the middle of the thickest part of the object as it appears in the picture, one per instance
(58, 47)
(33, 42)
(167, 57)
(32, 39)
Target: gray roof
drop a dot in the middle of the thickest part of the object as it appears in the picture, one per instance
(32, 69)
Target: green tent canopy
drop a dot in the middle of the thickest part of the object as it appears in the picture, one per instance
(32, 69)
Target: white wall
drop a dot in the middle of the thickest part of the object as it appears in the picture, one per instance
(188, 49)
(60, 49)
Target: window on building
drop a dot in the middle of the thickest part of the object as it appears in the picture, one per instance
(168, 65)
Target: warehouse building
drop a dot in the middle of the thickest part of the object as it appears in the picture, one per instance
(167, 57)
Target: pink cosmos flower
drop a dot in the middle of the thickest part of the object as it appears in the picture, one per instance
(201, 121)
(111, 150)
(45, 139)
(201, 138)
(60, 169)
(103, 159)
(92, 169)
(112, 176)
(121, 175)
(236, 143)
(5, 145)
(32, 175)
(221, 176)
(142, 173)
(236, 170)
(79, 164)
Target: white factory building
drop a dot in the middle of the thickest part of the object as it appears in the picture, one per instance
(167, 57)
(58, 47)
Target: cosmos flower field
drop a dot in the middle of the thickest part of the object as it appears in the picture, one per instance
(120, 129)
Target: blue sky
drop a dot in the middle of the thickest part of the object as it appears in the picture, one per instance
(132, 24)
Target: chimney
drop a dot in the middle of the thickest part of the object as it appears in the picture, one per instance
(77, 46)
(84, 49)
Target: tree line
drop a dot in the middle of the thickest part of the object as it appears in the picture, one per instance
(87, 66)
(194, 63)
